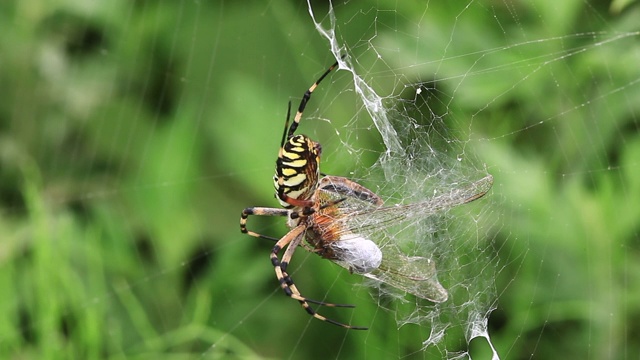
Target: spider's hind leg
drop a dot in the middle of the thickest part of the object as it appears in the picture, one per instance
(292, 240)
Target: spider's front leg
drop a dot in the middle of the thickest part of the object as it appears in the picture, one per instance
(259, 211)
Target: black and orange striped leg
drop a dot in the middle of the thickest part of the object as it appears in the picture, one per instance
(259, 211)
(289, 131)
(291, 241)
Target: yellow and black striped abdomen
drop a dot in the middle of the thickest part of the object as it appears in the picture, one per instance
(297, 169)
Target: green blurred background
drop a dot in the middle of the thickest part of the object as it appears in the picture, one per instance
(132, 133)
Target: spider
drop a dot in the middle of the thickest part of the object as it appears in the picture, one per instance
(338, 216)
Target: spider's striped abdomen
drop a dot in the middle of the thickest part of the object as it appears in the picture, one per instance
(297, 170)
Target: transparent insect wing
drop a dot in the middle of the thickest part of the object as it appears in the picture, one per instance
(361, 216)
(358, 216)
(416, 275)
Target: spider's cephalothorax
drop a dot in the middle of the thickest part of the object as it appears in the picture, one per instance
(297, 171)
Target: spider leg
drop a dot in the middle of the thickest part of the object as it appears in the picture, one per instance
(277, 212)
(295, 290)
(288, 254)
(262, 211)
(292, 240)
(303, 104)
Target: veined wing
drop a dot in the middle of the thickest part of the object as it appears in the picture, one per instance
(358, 216)
(359, 219)
(414, 274)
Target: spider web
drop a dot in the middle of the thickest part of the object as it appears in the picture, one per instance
(428, 152)
(420, 159)
(133, 133)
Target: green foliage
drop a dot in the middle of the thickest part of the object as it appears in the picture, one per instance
(133, 133)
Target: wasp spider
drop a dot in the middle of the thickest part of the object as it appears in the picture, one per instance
(338, 217)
